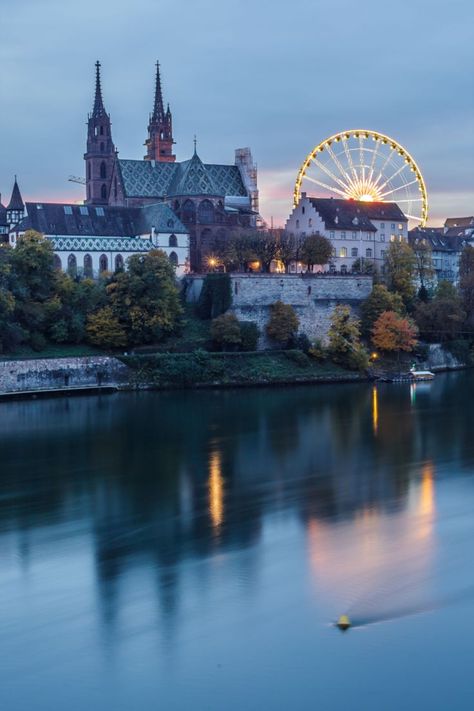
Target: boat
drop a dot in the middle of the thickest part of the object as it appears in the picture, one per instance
(419, 375)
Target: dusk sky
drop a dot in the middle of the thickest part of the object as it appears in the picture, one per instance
(276, 76)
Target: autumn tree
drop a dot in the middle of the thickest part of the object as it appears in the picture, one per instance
(400, 266)
(392, 332)
(316, 249)
(283, 323)
(379, 300)
(345, 347)
(105, 330)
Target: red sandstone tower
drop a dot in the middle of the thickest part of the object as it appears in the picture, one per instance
(159, 143)
(100, 155)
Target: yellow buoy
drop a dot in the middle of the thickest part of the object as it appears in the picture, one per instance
(343, 623)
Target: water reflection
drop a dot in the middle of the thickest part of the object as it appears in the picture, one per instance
(216, 488)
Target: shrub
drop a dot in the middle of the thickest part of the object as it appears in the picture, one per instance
(249, 334)
(283, 323)
(317, 351)
(298, 357)
(225, 332)
(215, 297)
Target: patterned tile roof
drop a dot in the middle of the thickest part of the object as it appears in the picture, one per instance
(62, 243)
(192, 177)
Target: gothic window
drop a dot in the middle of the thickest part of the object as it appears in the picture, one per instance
(103, 170)
(174, 259)
(57, 262)
(72, 265)
(173, 242)
(119, 263)
(89, 171)
(368, 253)
(206, 212)
(101, 130)
(189, 211)
(103, 192)
(103, 263)
(88, 266)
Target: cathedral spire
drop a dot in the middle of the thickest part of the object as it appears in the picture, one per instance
(158, 110)
(98, 109)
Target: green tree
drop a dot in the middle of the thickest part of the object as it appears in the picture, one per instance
(345, 347)
(236, 252)
(288, 249)
(424, 269)
(265, 247)
(145, 298)
(442, 318)
(105, 330)
(362, 265)
(379, 300)
(466, 283)
(400, 266)
(282, 324)
(215, 297)
(225, 332)
(315, 249)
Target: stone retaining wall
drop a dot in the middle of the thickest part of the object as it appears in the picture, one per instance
(56, 373)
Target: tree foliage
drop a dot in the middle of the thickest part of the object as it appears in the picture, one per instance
(466, 283)
(105, 330)
(316, 249)
(392, 332)
(282, 324)
(225, 331)
(345, 347)
(215, 297)
(379, 300)
(400, 265)
(442, 318)
(423, 263)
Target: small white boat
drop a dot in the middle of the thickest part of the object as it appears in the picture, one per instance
(422, 374)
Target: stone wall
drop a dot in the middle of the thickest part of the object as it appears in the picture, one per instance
(313, 296)
(56, 373)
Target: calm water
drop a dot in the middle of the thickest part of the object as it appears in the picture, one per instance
(190, 550)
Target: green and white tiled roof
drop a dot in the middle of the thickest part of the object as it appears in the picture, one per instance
(100, 244)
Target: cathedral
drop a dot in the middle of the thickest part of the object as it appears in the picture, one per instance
(211, 200)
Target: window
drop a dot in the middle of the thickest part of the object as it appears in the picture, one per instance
(382, 225)
(332, 268)
(170, 222)
(368, 253)
(206, 212)
(88, 266)
(99, 211)
(331, 235)
(334, 253)
(103, 263)
(382, 236)
(101, 130)
(354, 235)
(67, 210)
(57, 262)
(393, 225)
(400, 227)
(89, 171)
(400, 238)
(302, 209)
(354, 252)
(173, 242)
(343, 252)
(72, 265)
(343, 235)
(343, 269)
(392, 238)
(103, 192)
(83, 210)
(382, 254)
(310, 222)
(119, 263)
(189, 211)
(103, 171)
(173, 259)
(297, 224)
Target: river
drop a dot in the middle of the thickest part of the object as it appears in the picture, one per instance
(192, 550)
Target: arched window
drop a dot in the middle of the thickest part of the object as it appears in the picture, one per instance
(206, 212)
(89, 171)
(173, 242)
(189, 211)
(57, 262)
(101, 130)
(174, 259)
(119, 263)
(103, 191)
(72, 265)
(103, 263)
(368, 253)
(103, 170)
(88, 266)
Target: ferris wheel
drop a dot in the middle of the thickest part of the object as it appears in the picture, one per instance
(366, 166)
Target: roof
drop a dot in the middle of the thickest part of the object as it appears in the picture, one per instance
(145, 178)
(16, 201)
(98, 221)
(438, 241)
(354, 215)
(101, 244)
(459, 222)
(3, 213)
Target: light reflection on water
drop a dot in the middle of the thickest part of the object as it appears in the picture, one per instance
(194, 547)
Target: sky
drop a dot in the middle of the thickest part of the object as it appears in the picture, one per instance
(276, 76)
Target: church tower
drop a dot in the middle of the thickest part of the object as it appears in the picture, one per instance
(100, 155)
(159, 143)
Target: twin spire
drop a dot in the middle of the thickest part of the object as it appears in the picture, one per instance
(98, 109)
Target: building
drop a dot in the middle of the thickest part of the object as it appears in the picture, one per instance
(357, 230)
(12, 214)
(88, 240)
(211, 200)
(447, 244)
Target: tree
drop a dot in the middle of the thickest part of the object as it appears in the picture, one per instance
(423, 264)
(105, 330)
(466, 283)
(145, 298)
(442, 318)
(400, 265)
(316, 249)
(236, 252)
(265, 247)
(362, 265)
(215, 297)
(392, 332)
(345, 347)
(225, 332)
(283, 323)
(379, 300)
(288, 249)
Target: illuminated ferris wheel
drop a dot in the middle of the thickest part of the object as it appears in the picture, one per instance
(367, 166)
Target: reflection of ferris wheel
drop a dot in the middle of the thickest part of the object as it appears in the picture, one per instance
(367, 166)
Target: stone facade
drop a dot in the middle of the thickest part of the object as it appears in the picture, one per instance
(313, 296)
(57, 373)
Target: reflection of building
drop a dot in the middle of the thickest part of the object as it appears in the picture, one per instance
(357, 230)
(210, 199)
